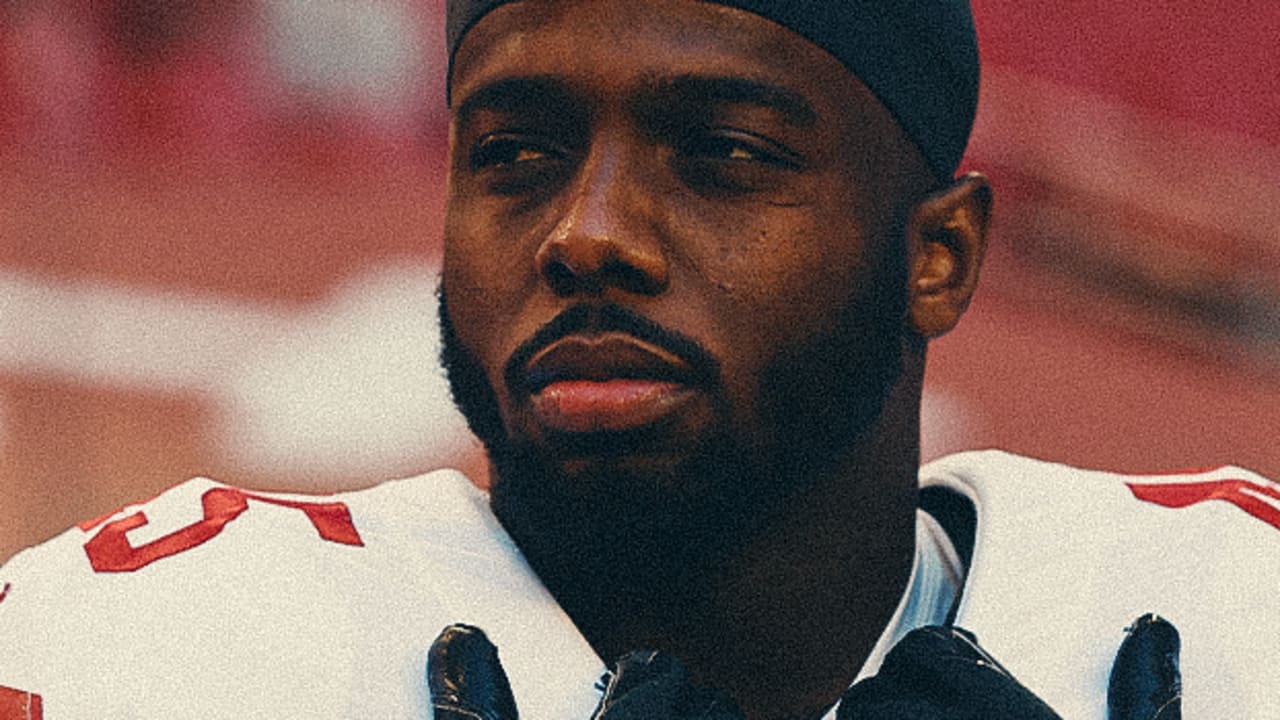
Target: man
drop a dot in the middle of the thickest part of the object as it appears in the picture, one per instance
(694, 255)
(675, 292)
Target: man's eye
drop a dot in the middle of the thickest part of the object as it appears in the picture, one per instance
(508, 151)
(736, 147)
(733, 162)
(722, 149)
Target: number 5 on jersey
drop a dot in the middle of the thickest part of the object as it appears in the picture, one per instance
(110, 550)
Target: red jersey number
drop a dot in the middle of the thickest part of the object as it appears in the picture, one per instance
(110, 551)
(20, 705)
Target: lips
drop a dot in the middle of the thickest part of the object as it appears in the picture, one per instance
(607, 382)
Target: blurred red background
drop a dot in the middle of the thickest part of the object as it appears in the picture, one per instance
(220, 220)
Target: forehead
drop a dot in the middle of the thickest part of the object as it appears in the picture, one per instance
(620, 45)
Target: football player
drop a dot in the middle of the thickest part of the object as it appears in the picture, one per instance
(695, 252)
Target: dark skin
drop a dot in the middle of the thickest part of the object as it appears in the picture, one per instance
(736, 487)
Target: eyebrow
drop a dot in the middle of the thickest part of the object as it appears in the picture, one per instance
(540, 92)
(731, 90)
(514, 94)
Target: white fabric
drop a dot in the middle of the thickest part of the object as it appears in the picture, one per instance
(1067, 558)
(267, 619)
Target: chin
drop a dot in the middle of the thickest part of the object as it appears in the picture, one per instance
(633, 509)
(594, 472)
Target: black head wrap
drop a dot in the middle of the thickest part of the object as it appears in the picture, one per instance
(919, 57)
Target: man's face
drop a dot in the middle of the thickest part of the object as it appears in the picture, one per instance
(672, 254)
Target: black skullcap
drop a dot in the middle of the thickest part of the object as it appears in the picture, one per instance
(919, 57)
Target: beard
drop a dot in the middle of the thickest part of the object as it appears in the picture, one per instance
(652, 525)
(644, 512)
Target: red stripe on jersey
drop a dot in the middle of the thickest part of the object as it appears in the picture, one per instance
(4, 591)
(331, 519)
(20, 705)
(110, 550)
(88, 525)
(1260, 501)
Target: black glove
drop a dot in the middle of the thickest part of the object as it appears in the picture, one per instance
(647, 685)
(467, 683)
(465, 678)
(940, 673)
(1145, 681)
(934, 673)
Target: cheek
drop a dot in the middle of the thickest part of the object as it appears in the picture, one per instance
(484, 284)
(778, 275)
(778, 288)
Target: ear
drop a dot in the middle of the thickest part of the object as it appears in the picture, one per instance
(946, 241)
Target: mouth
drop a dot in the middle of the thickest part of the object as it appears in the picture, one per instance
(607, 382)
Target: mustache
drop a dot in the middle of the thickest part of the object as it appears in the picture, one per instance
(610, 317)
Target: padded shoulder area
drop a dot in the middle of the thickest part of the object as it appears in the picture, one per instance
(1064, 559)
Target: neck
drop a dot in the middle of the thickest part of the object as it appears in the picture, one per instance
(781, 620)
(804, 605)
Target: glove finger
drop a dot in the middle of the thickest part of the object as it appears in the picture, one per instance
(1146, 683)
(941, 673)
(466, 679)
(648, 685)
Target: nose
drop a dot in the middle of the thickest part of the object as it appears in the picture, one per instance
(609, 236)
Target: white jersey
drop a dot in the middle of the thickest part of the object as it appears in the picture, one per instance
(1065, 559)
(213, 602)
